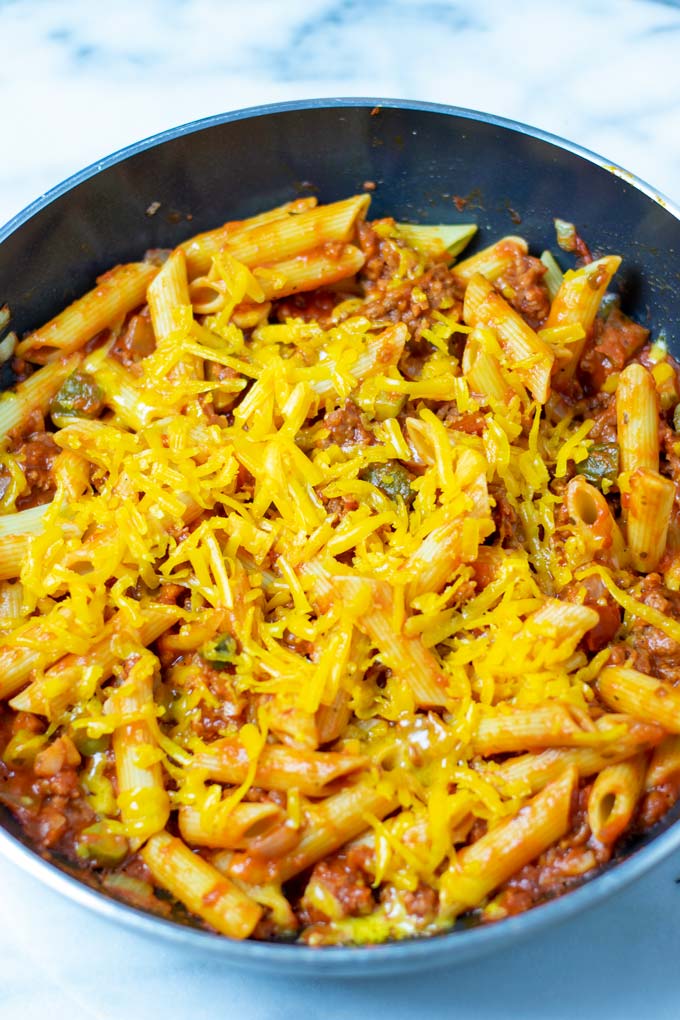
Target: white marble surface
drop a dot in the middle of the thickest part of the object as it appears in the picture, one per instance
(79, 79)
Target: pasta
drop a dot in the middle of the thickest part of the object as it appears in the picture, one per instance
(339, 597)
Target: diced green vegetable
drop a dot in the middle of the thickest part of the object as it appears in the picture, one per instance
(220, 652)
(554, 275)
(23, 747)
(79, 397)
(392, 478)
(89, 746)
(566, 235)
(98, 843)
(601, 463)
(676, 418)
(435, 240)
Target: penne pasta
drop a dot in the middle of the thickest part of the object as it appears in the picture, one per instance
(517, 729)
(482, 370)
(494, 858)
(330, 825)
(49, 694)
(613, 798)
(118, 292)
(285, 237)
(577, 302)
(642, 696)
(528, 355)
(142, 798)
(491, 262)
(637, 419)
(531, 772)
(201, 249)
(650, 504)
(204, 890)
(234, 830)
(278, 768)
(34, 394)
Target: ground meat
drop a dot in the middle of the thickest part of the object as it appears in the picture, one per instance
(411, 301)
(603, 414)
(523, 286)
(613, 341)
(422, 903)
(210, 723)
(347, 427)
(473, 424)
(655, 803)
(597, 596)
(36, 456)
(508, 525)
(670, 446)
(347, 882)
(136, 341)
(340, 505)
(314, 306)
(655, 652)
(46, 798)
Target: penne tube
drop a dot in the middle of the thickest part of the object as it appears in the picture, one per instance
(520, 729)
(577, 302)
(143, 801)
(13, 552)
(640, 695)
(407, 657)
(600, 534)
(332, 719)
(562, 623)
(493, 261)
(33, 394)
(318, 268)
(118, 292)
(613, 798)
(29, 648)
(482, 369)
(202, 889)
(664, 766)
(234, 830)
(637, 419)
(329, 825)
(529, 356)
(531, 772)
(11, 602)
(287, 237)
(23, 522)
(51, 693)
(494, 858)
(168, 291)
(650, 503)
(313, 773)
(200, 249)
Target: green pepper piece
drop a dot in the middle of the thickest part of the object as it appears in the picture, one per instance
(79, 397)
(602, 462)
(97, 843)
(220, 652)
(392, 478)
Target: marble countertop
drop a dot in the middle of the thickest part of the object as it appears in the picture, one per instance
(79, 80)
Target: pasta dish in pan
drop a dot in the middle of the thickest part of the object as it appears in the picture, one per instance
(339, 580)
